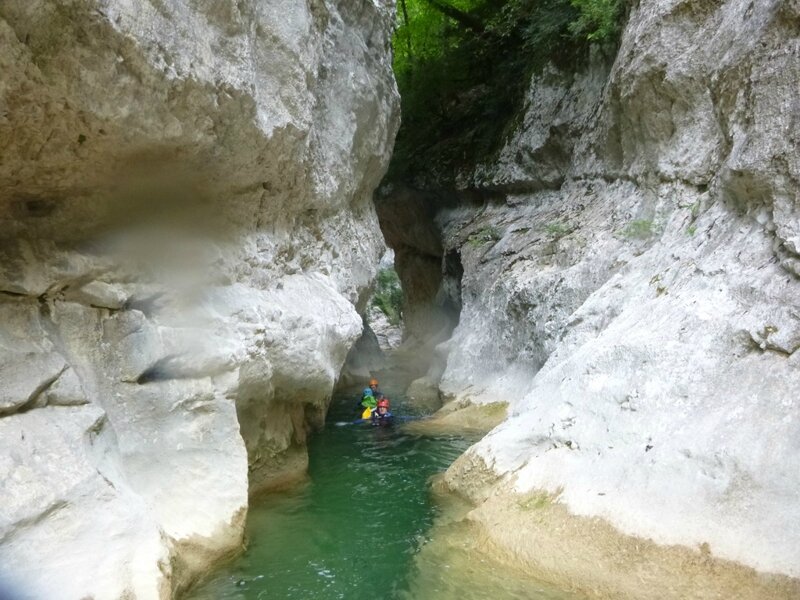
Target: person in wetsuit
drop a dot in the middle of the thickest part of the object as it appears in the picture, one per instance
(382, 416)
(370, 396)
(373, 390)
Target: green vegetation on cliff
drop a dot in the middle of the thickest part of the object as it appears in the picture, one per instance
(389, 295)
(463, 67)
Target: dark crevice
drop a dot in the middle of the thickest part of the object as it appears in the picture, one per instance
(15, 294)
(162, 370)
(430, 273)
(33, 400)
(452, 274)
(174, 367)
(495, 193)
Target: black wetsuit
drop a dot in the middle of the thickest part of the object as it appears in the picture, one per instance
(382, 420)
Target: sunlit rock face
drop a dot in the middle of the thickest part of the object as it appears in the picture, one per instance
(632, 286)
(187, 233)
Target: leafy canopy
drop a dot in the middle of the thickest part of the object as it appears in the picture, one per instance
(463, 66)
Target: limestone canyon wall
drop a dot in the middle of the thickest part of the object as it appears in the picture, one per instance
(186, 235)
(631, 287)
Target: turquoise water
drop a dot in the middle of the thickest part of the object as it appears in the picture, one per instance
(354, 530)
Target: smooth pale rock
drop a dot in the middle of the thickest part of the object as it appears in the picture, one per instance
(62, 491)
(101, 295)
(186, 234)
(389, 336)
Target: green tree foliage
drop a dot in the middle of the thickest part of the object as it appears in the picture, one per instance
(463, 66)
(389, 295)
(598, 19)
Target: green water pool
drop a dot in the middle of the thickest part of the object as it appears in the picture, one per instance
(356, 529)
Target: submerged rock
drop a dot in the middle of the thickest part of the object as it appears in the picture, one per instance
(188, 230)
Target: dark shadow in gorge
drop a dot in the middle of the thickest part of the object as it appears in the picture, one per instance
(430, 277)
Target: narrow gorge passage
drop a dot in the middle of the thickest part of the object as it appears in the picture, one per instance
(356, 529)
(593, 207)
